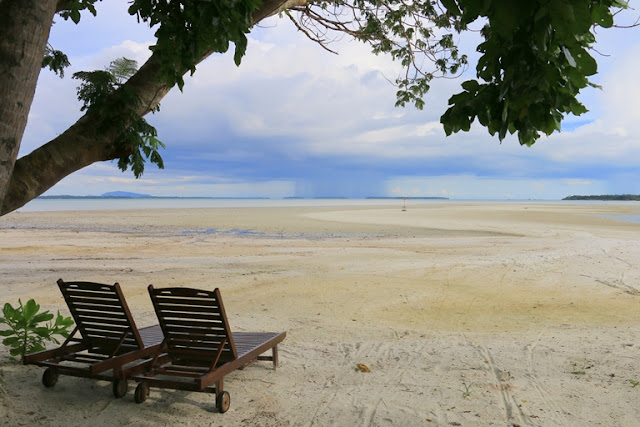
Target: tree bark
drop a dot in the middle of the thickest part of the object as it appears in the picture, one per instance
(24, 31)
(81, 145)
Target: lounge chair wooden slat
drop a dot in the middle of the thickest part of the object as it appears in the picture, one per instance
(210, 340)
(113, 335)
(197, 333)
(196, 351)
(99, 304)
(198, 323)
(200, 302)
(98, 321)
(176, 344)
(100, 313)
(182, 292)
(87, 358)
(185, 309)
(115, 330)
(87, 286)
(83, 307)
(195, 325)
(191, 315)
(92, 295)
(191, 369)
(114, 325)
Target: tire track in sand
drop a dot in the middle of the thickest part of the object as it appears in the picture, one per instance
(512, 412)
(557, 419)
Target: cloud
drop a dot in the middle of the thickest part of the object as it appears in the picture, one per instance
(296, 118)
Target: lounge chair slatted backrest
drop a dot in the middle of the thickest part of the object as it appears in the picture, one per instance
(105, 345)
(195, 326)
(102, 317)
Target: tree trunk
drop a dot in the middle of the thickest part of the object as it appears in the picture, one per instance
(81, 145)
(24, 31)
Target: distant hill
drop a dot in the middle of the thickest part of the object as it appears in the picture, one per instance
(109, 195)
(605, 197)
(125, 194)
(128, 195)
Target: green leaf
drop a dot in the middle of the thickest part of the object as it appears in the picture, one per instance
(588, 66)
(42, 317)
(36, 347)
(8, 310)
(43, 332)
(7, 333)
(601, 15)
(122, 68)
(74, 14)
(567, 54)
(451, 7)
(578, 109)
(10, 341)
(30, 309)
(470, 86)
(241, 48)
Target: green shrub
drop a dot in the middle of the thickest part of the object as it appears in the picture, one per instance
(26, 334)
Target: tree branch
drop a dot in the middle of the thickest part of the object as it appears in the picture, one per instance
(81, 144)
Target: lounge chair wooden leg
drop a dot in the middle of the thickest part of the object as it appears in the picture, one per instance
(275, 357)
(223, 399)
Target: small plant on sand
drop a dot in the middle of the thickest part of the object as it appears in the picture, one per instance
(580, 368)
(26, 333)
(467, 390)
(634, 383)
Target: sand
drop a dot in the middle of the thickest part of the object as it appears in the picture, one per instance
(467, 314)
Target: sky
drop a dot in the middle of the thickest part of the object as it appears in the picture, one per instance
(297, 121)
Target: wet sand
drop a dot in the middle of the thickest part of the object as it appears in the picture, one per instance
(468, 313)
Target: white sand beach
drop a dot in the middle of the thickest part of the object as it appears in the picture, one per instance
(467, 314)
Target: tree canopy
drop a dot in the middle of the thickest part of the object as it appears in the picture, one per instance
(536, 56)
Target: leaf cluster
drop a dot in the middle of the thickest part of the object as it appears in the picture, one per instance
(72, 8)
(26, 333)
(103, 93)
(55, 60)
(535, 60)
(416, 34)
(189, 29)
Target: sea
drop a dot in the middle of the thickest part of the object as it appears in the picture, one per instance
(144, 203)
(80, 204)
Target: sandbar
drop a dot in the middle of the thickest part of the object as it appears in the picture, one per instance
(465, 313)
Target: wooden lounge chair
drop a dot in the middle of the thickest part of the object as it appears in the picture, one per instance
(108, 340)
(199, 348)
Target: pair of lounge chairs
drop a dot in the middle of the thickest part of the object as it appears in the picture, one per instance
(192, 348)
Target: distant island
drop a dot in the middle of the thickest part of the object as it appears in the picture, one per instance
(408, 198)
(127, 195)
(110, 195)
(606, 197)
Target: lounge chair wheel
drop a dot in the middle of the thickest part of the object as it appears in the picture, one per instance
(223, 401)
(50, 377)
(120, 388)
(142, 392)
